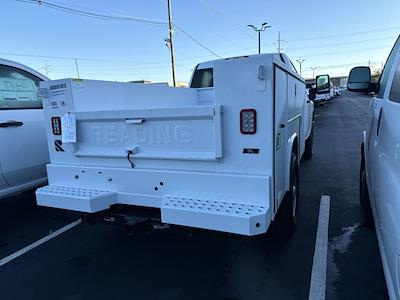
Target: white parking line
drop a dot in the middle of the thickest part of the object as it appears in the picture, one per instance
(318, 274)
(39, 242)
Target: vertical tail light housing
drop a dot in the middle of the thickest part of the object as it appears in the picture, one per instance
(56, 125)
(248, 121)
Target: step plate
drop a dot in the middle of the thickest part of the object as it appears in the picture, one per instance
(216, 215)
(75, 198)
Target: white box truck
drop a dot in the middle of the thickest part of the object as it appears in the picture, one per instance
(223, 154)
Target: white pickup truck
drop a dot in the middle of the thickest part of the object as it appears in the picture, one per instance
(380, 162)
(23, 150)
(223, 154)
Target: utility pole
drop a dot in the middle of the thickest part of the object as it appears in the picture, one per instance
(258, 30)
(279, 42)
(171, 41)
(313, 71)
(300, 61)
(76, 66)
(46, 68)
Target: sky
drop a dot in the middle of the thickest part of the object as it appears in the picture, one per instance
(331, 36)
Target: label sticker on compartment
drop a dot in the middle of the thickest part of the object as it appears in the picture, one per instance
(68, 128)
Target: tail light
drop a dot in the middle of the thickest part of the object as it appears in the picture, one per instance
(248, 121)
(56, 125)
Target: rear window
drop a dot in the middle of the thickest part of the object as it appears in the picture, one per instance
(203, 78)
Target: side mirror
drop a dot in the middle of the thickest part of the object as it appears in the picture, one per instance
(323, 84)
(359, 79)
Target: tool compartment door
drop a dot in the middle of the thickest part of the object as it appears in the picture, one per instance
(280, 142)
(182, 133)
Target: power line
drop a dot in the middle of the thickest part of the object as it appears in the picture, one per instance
(345, 34)
(89, 14)
(49, 56)
(344, 43)
(349, 51)
(196, 41)
(236, 24)
(86, 13)
(337, 66)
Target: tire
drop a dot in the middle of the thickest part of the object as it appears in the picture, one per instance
(308, 149)
(364, 195)
(286, 219)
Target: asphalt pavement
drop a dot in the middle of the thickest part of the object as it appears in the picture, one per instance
(103, 261)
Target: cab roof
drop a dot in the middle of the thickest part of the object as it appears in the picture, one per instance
(279, 59)
(10, 63)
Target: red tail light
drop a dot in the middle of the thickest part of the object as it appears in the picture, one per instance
(248, 121)
(56, 125)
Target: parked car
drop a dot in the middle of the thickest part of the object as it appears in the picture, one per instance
(23, 146)
(380, 162)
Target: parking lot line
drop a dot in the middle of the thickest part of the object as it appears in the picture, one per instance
(318, 274)
(43, 240)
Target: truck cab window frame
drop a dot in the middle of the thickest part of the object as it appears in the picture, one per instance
(395, 88)
(383, 81)
(18, 89)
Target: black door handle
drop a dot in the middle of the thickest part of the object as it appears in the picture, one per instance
(378, 126)
(11, 124)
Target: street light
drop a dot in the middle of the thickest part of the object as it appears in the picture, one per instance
(258, 30)
(300, 61)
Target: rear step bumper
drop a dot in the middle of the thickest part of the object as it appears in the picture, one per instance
(223, 216)
(216, 215)
(75, 198)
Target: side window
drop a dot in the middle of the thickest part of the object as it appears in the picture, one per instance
(203, 78)
(18, 89)
(386, 70)
(395, 90)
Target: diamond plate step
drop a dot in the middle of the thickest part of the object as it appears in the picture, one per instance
(224, 216)
(75, 198)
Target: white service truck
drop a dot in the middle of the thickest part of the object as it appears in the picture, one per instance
(223, 154)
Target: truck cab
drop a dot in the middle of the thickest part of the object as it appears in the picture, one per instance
(223, 154)
(23, 147)
(380, 161)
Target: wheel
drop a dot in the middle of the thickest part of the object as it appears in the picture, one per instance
(308, 151)
(364, 195)
(286, 219)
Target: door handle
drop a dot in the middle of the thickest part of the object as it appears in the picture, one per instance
(378, 126)
(11, 124)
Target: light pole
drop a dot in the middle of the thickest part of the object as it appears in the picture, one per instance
(258, 30)
(300, 61)
(313, 71)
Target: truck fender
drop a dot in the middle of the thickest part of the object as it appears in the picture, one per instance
(291, 141)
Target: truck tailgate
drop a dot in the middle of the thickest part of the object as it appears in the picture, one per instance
(182, 133)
